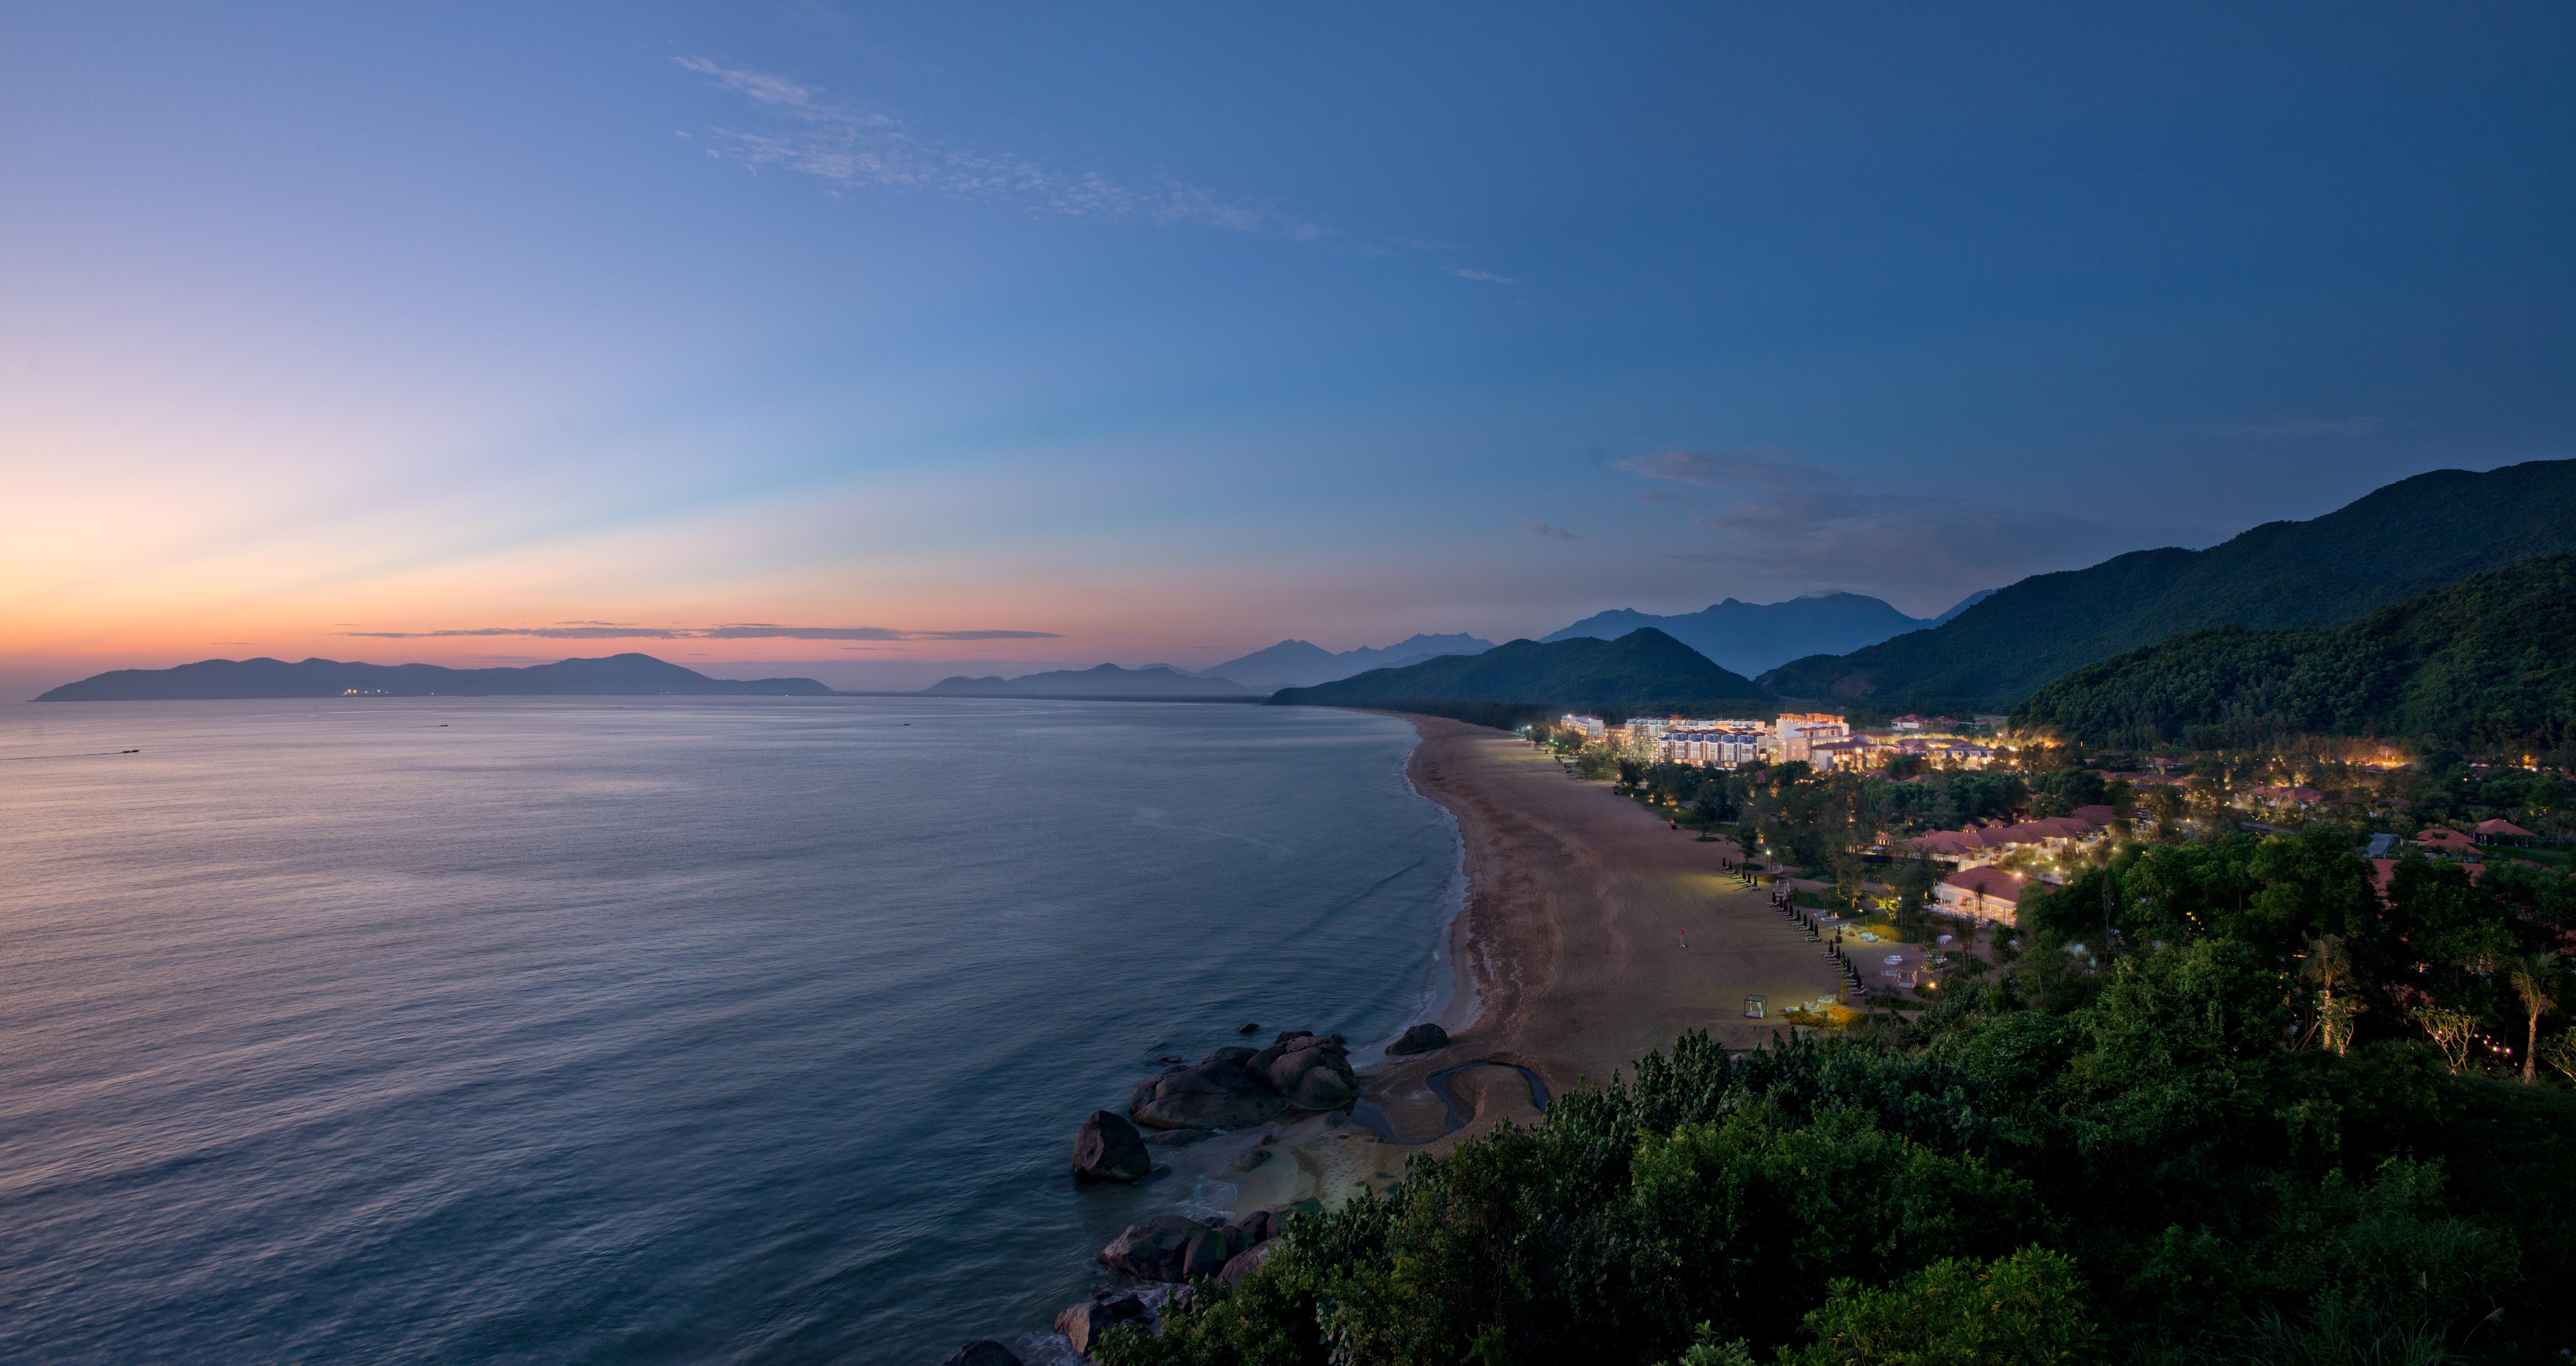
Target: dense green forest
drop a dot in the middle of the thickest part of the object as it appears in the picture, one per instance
(2216, 1103)
(2399, 541)
(1642, 671)
(2488, 663)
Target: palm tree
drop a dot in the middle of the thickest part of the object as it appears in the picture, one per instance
(2535, 980)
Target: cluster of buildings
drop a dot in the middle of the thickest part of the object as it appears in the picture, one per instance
(1980, 846)
(1820, 739)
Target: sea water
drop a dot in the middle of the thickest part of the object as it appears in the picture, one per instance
(657, 1029)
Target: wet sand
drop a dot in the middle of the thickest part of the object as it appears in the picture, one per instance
(1569, 954)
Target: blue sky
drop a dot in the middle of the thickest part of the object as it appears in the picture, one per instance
(1168, 332)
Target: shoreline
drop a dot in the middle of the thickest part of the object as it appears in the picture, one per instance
(1589, 934)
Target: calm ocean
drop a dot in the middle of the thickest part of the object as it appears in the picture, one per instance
(643, 1029)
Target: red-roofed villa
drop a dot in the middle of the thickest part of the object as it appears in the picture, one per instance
(1982, 893)
(2501, 829)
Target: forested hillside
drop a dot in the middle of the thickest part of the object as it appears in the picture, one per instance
(2412, 536)
(1643, 671)
(2488, 663)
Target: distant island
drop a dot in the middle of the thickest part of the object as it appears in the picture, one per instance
(626, 675)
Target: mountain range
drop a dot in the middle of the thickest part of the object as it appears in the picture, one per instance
(1107, 680)
(626, 675)
(2488, 662)
(1297, 663)
(1749, 637)
(1643, 671)
(2387, 546)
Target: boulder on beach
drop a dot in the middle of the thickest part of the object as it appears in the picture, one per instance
(1108, 1148)
(1084, 1323)
(1255, 1227)
(1244, 1263)
(1249, 1158)
(983, 1352)
(1422, 1038)
(1155, 1250)
(1218, 1092)
(1313, 1071)
(1127, 1307)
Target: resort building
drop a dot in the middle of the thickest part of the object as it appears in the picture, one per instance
(1979, 846)
(1981, 893)
(2490, 832)
(1797, 733)
(1713, 744)
(1592, 726)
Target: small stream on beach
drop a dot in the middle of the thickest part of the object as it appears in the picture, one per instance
(646, 1029)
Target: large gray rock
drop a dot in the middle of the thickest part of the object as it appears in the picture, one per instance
(1155, 1250)
(1208, 1253)
(983, 1352)
(1246, 1262)
(1253, 1228)
(1108, 1148)
(1084, 1323)
(1219, 1093)
(1422, 1038)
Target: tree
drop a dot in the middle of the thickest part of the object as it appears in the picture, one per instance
(2535, 979)
(2330, 967)
(2021, 1310)
(1707, 811)
(2560, 1053)
(2452, 1031)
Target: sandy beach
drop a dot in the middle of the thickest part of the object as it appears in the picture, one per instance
(1570, 956)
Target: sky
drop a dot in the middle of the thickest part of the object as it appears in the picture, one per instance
(855, 338)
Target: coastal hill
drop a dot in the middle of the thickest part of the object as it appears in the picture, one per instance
(1298, 663)
(2407, 538)
(1645, 670)
(1107, 680)
(2488, 663)
(1749, 637)
(626, 675)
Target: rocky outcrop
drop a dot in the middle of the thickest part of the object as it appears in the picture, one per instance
(1313, 1071)
(1084, 1323)
(1155, 1250)
(1236, 1088)
(1249, 1158)
(1422, 1038)
(983, 1352)
(1108, 1148)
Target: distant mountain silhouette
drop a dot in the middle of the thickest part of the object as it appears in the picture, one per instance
(1643, 671)
(1296, 663)
(1749, 637)
(2389, 545)
(627, 675)
(1108, 680)
(1964, 604)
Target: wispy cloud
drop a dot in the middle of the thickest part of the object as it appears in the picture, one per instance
(818, 136)
(1782, 519)
(1539, 528)
(2303, 428)
(1471, 273)
(732, 631)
